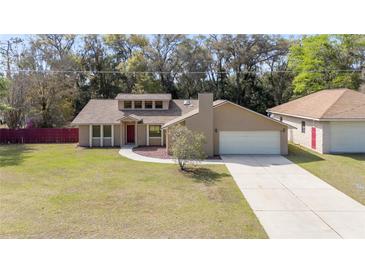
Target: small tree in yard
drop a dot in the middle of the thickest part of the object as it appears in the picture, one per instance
(187, 146)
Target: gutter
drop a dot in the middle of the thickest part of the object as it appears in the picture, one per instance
(318, 119)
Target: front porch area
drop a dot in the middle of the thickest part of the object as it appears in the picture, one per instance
(134, 132)
(129, 131)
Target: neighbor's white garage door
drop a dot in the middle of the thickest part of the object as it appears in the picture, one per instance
(249, 142)
(347, 137)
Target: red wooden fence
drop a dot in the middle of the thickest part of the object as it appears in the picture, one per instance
(39, 135)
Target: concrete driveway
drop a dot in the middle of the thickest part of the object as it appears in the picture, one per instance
(290, 202)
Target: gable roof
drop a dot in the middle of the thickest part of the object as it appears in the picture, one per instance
(106, 112)
(144, 96)
(326, 104)
(132, 117)
(187, 115)
(218, 103)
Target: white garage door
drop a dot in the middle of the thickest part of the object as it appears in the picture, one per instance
(347, 137)
(249, 142)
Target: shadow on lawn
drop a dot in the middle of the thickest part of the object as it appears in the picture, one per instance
(301, 155)
(357, 156)
(204, 175)
(12, 155)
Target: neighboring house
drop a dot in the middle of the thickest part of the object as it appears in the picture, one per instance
(145, 119)
(327, 121)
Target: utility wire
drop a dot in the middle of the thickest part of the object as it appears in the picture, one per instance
(167, 72)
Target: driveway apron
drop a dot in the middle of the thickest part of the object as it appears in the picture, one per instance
(290, 202)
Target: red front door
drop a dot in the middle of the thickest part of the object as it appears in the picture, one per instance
(130, 133)
(314, 138)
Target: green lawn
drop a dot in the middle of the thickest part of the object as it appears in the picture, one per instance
(345, 172)
(61, 191)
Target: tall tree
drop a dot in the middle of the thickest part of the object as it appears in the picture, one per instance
(327, 61)
(136, 70)
(99, 79)
(277, 79)
(194, 60)
(3, 94)
(162, 56)
(14, 98)
(245, 56)
(123, 46)
(41, 86)
(217, 69)
(50, 83)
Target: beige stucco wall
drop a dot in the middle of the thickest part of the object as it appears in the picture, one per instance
(203, 121)
(229, 117)
(84, 135)
(142, 134)
(155, 141)
(296, 136)
(116, 135)
(165, 104)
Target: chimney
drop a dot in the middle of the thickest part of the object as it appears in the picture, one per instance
(206, 120)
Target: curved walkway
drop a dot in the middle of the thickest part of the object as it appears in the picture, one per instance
(127, 151)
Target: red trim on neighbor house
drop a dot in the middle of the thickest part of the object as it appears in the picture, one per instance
(314, 138)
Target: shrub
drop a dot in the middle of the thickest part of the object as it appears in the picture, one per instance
(186, 146)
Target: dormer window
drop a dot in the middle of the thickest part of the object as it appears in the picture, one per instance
(158, 104)
(127, 104)
(148, 104)
(137, 104)
(147, 101)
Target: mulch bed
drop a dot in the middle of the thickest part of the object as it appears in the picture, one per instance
(152, 151)
(159, 152)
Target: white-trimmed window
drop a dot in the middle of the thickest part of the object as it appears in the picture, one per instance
(96, 130)
(158, 104)
(107, 131)
(127, 104)
(303, 126)
(137, 104)
(148, 104)
(154, 131)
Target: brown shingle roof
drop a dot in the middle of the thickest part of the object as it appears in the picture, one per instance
(107, 112)
(189, 114)
(326, 104)
(146, 96)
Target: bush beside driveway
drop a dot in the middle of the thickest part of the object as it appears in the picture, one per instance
(61, 191)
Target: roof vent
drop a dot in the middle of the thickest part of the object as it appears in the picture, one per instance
(187, 102)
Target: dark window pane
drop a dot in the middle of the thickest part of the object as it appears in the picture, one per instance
(148, 104)
(127, 104)
(158, 104)
(96, 131)
(303, 127)
(155, 131)
(137, 104)
(107, 131)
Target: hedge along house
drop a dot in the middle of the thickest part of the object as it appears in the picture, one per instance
(145, 119)
(327, 121)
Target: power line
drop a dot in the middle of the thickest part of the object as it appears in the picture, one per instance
(167, 72)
